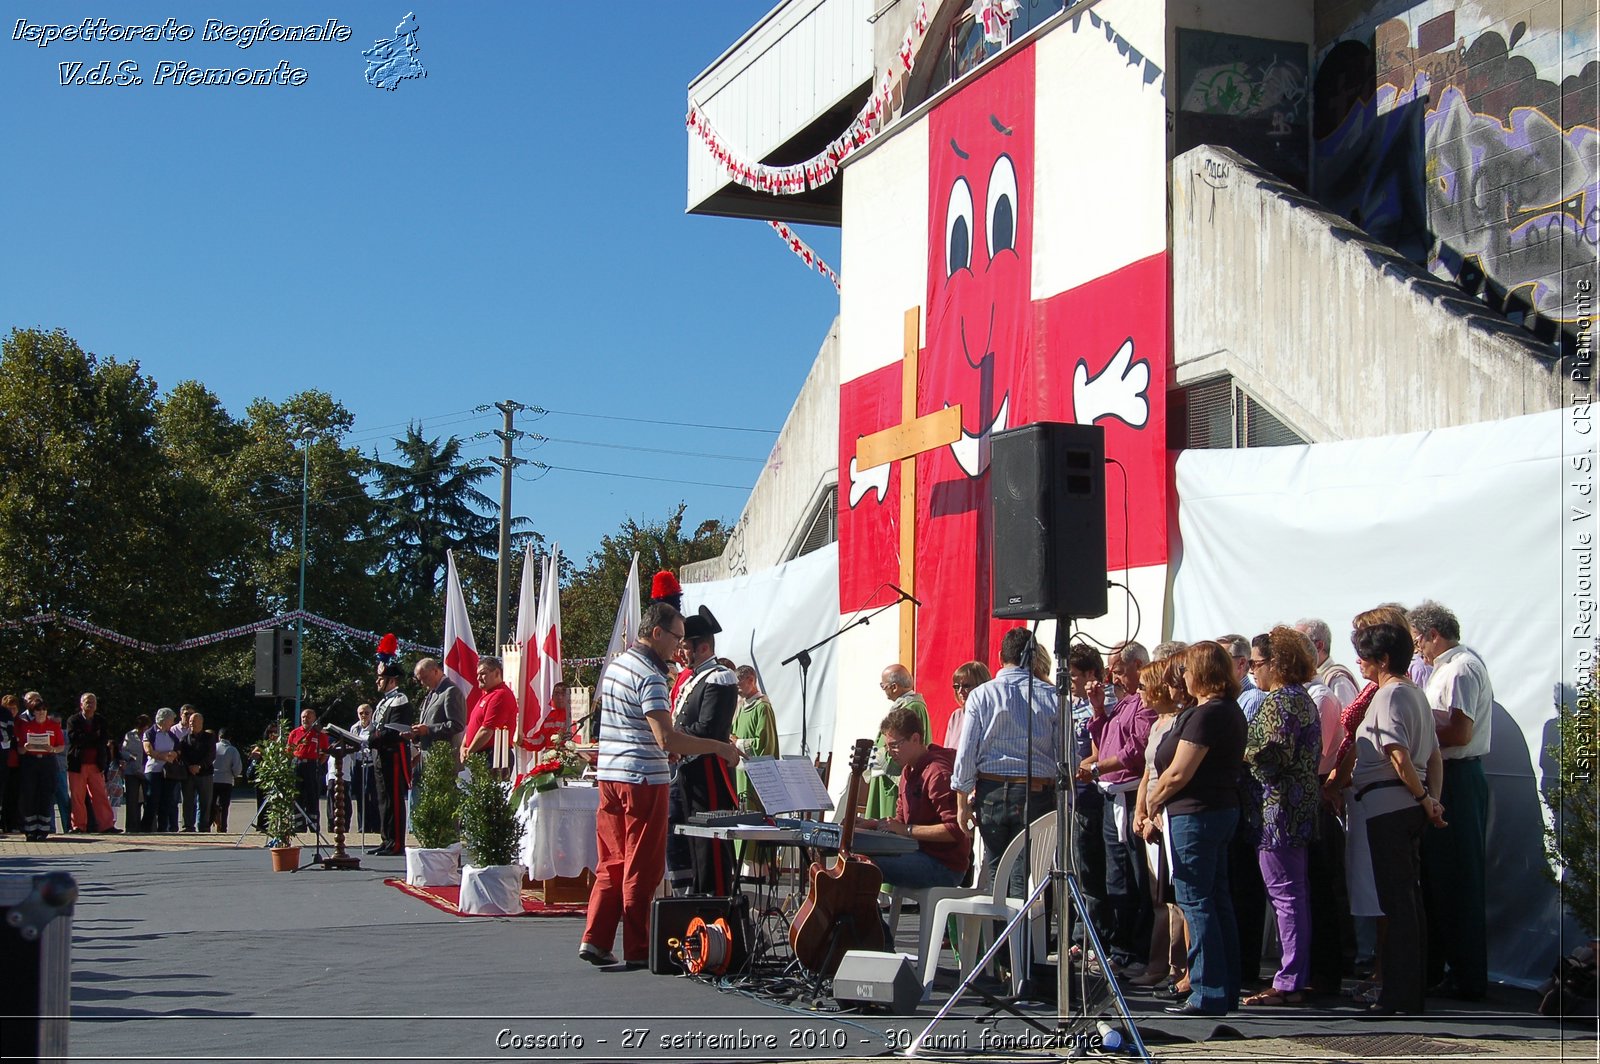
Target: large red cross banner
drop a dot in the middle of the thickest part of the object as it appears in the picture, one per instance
(1094, 354)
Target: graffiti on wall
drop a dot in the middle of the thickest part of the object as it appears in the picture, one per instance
(1245, 93)
(1465, 157)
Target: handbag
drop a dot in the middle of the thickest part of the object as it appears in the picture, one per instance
(175, 770)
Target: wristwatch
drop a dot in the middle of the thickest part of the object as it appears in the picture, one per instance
(1094, 772)
(1423, 797)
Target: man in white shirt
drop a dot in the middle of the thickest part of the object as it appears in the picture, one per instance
(1330, 673)
(1455, 858)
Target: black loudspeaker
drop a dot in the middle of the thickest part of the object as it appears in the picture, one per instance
(1048, 485)
(36, 933)
(885, 979)
(276, 651)
(669, 919)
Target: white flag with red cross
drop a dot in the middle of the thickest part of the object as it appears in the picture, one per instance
(460, 650)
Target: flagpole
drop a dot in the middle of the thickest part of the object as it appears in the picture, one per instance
(300, 614)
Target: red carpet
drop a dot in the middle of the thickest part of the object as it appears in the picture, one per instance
(448, 899)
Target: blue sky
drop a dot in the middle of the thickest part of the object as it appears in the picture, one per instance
(509, 227)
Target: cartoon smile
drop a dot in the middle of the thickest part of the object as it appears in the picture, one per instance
(972, 452)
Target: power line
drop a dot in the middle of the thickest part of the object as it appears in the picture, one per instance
(639, 476)
(651, 421)
(650, 450)
(368, 430)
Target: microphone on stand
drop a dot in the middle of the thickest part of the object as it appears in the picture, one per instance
(905, 596)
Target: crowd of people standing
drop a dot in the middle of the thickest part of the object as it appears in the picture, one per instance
(1227, 782)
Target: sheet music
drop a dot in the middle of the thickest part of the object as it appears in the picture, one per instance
(787, 785)
(347, 736)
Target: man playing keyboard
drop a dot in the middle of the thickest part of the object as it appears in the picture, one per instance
(925, 810)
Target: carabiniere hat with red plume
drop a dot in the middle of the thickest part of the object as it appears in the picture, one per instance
(389, 655)
(664, 587)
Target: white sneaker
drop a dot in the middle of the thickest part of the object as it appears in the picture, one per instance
(595, 955)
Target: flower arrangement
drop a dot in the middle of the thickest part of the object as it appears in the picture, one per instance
(558, 761)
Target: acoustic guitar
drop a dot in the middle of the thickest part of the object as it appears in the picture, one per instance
(841, 907)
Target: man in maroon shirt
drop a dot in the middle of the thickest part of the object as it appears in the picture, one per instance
(496, 708)
(925, 809)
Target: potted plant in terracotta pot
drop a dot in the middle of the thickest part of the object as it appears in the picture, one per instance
(436, 821)
(280, 790)
(491, 834)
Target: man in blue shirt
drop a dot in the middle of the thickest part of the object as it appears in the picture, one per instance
(1005, 770)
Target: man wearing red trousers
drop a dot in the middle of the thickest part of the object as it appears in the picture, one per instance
(636, 735)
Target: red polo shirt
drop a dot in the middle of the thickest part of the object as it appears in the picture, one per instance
(926, 798)
(51, 727)
(308, 744)
(495, 708)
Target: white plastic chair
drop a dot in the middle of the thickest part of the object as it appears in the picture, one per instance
(973, 913)
(928, 897)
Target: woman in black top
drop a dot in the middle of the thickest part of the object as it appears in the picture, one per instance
(1199, 761)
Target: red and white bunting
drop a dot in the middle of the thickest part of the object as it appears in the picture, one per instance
(824, 166)
(806, 255)
(994, 16)
(282, 620)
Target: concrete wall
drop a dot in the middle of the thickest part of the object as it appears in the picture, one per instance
(801, 469)
(1338, 334)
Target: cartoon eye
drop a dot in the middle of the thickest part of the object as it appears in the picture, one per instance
(958, 228)
(1002, 211)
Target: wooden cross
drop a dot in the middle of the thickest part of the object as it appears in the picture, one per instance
(902, 443)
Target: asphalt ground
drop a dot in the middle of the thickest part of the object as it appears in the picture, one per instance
(187, 947)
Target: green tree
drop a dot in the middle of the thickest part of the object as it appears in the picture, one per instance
(428, 504)
(589, 604)
(92, 521)
(343, 552)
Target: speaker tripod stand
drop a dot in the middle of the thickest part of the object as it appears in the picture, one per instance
(1071, 1027)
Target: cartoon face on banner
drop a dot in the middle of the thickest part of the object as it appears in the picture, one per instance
(1095, 354)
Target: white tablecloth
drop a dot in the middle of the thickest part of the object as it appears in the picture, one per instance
(560, 838)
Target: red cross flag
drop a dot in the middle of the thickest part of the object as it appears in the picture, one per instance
(460, 651)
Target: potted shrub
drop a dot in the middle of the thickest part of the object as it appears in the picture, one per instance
(491, 835)
(280, 790)
(436, 821)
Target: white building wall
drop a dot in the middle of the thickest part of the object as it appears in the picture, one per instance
(801, 468)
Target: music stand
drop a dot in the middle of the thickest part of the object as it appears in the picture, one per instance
(341, 746)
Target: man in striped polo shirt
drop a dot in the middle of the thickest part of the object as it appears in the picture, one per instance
(636, 736)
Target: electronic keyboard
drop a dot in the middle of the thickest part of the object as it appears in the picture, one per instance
(825, 836)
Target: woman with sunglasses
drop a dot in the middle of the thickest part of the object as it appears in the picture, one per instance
(967, 677)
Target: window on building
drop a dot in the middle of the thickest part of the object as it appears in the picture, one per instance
(1218, 413)
(822, 528)
(967, 48)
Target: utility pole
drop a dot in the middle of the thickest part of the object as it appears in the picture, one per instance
(507, 462)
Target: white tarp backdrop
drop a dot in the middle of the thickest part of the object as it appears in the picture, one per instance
(769, 615)
(1470, 517)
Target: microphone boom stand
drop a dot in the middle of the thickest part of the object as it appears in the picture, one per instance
(804, 658)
